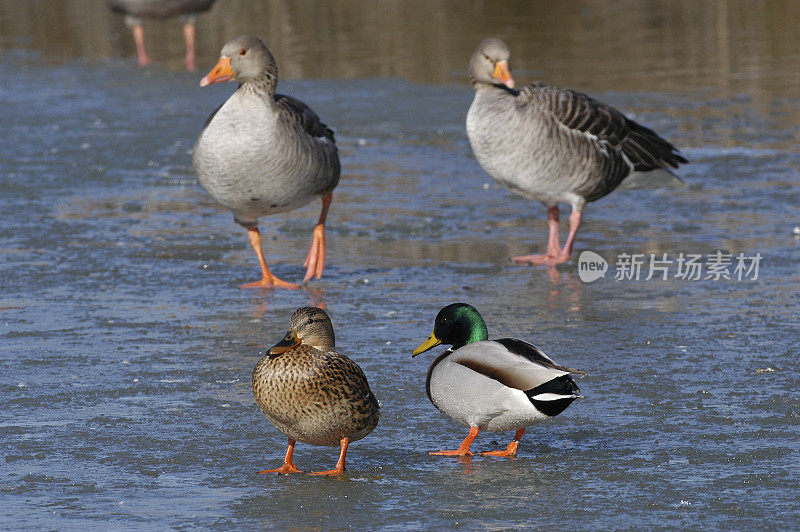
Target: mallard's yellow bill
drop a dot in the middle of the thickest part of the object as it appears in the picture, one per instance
(430, 343)
(289, 341)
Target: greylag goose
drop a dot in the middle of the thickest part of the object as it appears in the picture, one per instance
(136, 10)
(505, 384)
(262, 153)
(311, 393)
(554, 145)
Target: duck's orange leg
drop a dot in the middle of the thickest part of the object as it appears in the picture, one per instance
(511, 450)
(268, 279)
(463, 449)
(315, 261)
(339, 469)
(288, 466)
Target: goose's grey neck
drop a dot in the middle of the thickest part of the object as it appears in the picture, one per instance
(482, 85)
(478, 84)
(263, 85)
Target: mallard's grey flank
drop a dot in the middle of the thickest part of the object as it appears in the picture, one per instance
(263, 153)
(311, 393)
(554, 145)
(506, 384)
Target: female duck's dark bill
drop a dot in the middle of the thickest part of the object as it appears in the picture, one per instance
(430, 343)
(289, 341)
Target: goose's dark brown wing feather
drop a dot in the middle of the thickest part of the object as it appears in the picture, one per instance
(295, 112)
(580, 112)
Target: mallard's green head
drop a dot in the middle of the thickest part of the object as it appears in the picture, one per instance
(457, 324)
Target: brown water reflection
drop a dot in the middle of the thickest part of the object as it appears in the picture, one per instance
(730, 47)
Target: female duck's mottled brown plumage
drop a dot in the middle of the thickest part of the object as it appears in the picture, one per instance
(310, 392)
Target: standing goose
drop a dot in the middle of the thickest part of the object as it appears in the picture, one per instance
(554, 145)
(505, 384)
(311, 393)
(136, 10)
(262, 153)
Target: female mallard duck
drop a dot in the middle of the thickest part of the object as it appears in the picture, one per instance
(311, 393)
(556, 145)
(263, 153)
(506, 384)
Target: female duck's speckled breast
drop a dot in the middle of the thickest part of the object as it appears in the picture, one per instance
(309, 396)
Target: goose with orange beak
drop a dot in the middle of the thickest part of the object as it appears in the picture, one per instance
(557, 145)
(263, 153)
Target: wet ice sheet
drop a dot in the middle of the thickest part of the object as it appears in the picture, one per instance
(127, 349)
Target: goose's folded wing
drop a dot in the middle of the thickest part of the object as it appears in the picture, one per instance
(297, 114)
(579, 112)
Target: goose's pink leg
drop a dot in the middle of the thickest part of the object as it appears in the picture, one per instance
(188, 37)
(555, 254)
(138, 37)
(315, 261)
(574, 224)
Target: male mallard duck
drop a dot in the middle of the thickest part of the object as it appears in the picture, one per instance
(555, 145)
(505, 384)
(136, 10)
(261, 153)
(311, 393)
